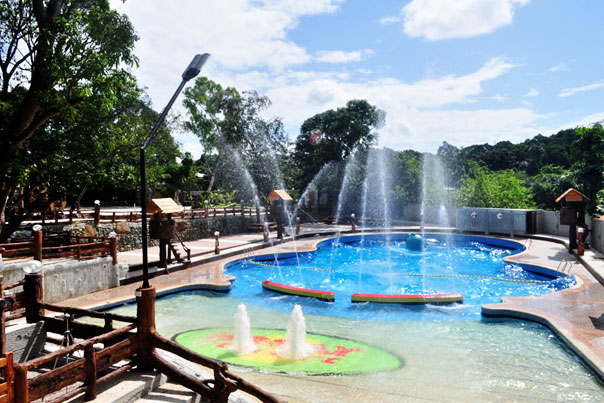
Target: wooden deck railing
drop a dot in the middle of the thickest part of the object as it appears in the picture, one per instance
(79, 247)
(87, 364)
(98, 215)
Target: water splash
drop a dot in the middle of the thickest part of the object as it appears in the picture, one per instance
(243, 342)
(295, 346)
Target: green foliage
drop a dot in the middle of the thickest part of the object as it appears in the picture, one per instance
(588, 156)
(497, 189)
(250, 147)
(344, 130)
(550, 183)
(56, 56)
(599, 210)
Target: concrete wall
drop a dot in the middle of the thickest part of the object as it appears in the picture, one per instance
(495, 221)
(596, 238)
(70, 278)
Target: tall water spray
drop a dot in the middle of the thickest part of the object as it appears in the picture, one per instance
(326, 169)
(376, 197)
(243, 342)
(295, 346)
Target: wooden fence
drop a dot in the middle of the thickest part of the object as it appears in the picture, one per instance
(42, 247)
(98, 215)
(104, 354)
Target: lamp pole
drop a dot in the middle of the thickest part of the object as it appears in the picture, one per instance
(192, 71)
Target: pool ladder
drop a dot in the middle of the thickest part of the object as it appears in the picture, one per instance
(565, 266)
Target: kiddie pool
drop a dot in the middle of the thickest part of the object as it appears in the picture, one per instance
(446, 352)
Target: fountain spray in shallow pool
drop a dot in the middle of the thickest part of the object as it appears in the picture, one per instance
(295, 346)
(243, 342)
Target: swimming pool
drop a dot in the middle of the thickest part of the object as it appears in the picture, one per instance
(447, 353)
(382, 264)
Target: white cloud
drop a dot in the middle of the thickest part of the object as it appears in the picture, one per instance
(532, 93)
(192, 147)
(339, 56)
(239, 34)
(525, 102)
(567, 92)
(446, 19)
(412, 108)
(559, 67)
(585, 121)
(499, 97)
(390, 20)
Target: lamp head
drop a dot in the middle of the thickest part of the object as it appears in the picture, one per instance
(195, 66)
(33, 267)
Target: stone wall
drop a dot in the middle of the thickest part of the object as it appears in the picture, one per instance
(129, 235)
(70, 278)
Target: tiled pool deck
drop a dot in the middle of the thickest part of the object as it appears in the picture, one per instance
(576, 315)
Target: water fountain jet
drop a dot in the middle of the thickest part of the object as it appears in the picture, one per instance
(243, 342)
(295, 346)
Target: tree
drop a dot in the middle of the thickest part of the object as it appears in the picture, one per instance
(550, 183)
(55, 56)
(231, 123)
(344, 130)
(96, 148)
(588, 156)
(495, 189)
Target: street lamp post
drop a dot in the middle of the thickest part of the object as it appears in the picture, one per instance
(192, 71)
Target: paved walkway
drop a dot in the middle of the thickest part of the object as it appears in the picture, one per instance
(576, 315)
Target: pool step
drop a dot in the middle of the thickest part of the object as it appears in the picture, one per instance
(170, 392)
(127, 388)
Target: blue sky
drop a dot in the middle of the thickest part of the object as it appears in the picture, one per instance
(464, 71)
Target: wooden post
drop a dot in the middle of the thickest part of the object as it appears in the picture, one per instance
(56, 216)
(70, 216)
(214, 211)
(234, 211)
(9, 377)
(242, 205)
(225, 211)
(257, 214)
(2, 320)
(145, 313)
(90, 367)
(297, 225)
(113, 217)
(353, 222)
(580, 244)
(207, 209)
(33, 296)
(113, 247)
(21, 384)
(37, 248)
(265, 232)
(217, 244)
(97, 212)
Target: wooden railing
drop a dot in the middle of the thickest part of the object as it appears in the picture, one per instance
(98, 215)
(79, 247)
(93, 361)
(87, 364)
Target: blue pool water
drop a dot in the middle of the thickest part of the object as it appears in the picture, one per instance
(381, 264)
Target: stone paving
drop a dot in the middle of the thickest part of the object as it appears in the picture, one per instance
(576, 315)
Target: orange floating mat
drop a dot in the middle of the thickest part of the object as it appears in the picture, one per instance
(408, 298)
(303, 292)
